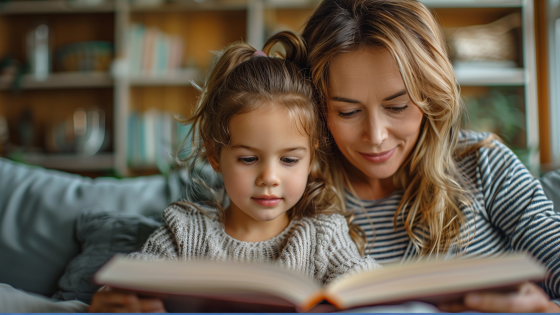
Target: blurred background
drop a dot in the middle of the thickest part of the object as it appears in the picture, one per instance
(93, 86)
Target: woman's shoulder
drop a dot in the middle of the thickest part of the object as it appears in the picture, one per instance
(488, 148)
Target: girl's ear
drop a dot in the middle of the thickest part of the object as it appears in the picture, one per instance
(214, 163)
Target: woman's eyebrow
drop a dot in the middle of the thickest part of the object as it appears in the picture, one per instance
(344, 99)
(399, 93)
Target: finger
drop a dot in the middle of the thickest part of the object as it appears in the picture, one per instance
(151, 306)
(452, 307)
(117, 298)
(126, 302)
(505, 303)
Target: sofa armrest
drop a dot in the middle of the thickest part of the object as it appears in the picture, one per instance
(38, 210)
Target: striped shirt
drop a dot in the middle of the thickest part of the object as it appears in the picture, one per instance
(512, 214)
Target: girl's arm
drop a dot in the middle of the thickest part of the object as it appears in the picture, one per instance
(109, 300)
(159, 246)
(339, 251)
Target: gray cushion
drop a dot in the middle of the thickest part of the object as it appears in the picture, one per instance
(102, 234)
(16, 301)
(551, 186)
(38, 210)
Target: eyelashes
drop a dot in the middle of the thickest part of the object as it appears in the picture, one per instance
(348, 114)
(398, 109)
(395, 110)
(252, 160)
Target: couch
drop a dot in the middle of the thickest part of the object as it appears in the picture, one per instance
(40, 215)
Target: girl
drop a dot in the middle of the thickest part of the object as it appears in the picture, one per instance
(392, 104)
(256, 124)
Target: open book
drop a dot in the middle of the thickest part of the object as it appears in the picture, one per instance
(199, 286)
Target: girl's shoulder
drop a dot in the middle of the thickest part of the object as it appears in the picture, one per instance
(326, 223)
(179, 214)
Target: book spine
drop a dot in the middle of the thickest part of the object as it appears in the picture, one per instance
(131, 153)
(150, 117)
(148, 56)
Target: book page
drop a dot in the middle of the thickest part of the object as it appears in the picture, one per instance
(210, 279)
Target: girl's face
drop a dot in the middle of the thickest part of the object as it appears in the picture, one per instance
(370, 115)
(266, 165)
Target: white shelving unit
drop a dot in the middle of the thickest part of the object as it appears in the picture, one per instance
(72, 162)
(60, 81)
(52, 6)
(255, 28)
(553, 9)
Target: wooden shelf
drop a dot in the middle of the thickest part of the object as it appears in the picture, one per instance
(71, 162)
(292, 4)
(307, 4)
(61, 81)
(190, 5)
(180, 78)
(491, 77)
(473, 3)
(52, 6)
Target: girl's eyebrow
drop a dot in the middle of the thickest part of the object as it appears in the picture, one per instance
(241, 146)
(295, 149)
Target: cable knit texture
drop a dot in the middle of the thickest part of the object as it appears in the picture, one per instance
(319, 246)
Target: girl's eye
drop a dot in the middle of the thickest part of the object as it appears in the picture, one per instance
(289, 161)
(397, 109)
(247, 160)
(348, 114)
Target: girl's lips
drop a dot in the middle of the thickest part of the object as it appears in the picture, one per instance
(267, 202)
(379, 157)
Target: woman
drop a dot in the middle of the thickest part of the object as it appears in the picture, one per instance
(389, 96)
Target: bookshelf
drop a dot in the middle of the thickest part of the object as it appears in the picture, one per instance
(204, 27)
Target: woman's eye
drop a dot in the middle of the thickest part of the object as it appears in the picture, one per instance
(397, 109)
(348, 114)
(247, 160)
(289, 161)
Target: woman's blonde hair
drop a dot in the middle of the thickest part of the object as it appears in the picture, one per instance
(242, 81)
(435, 190)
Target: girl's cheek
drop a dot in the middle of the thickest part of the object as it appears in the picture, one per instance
(295, 185)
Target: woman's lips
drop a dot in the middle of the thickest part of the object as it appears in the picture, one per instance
(378, 157)
(267, 202)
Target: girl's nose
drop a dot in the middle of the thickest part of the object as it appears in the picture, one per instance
(268, 176)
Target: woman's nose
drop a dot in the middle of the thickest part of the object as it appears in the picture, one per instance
(375, 131)
(268, 176)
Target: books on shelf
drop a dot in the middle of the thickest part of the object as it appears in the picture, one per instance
(210, 286)
(153, 52)
(154, 137)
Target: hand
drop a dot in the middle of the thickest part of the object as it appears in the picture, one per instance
(109, 300)
(528, 298)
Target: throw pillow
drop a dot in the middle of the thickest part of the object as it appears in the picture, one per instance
(101, 235)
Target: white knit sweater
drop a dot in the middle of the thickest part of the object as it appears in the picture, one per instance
(318, 246)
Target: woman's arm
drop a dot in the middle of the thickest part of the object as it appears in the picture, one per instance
(516, 205)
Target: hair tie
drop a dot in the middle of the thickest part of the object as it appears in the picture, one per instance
(259, 53)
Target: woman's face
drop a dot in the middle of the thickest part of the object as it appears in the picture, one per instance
(370, 115)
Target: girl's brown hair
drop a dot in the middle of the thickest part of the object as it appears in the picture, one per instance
(241, 82)
(435, 190)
